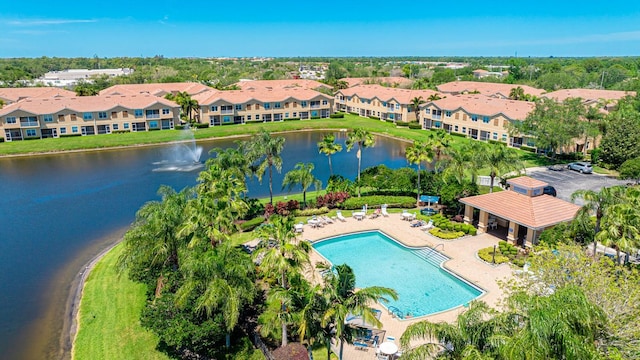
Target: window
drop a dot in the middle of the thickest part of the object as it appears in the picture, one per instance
(115, 126)
(166, 111)
(295, 114)
(87, 116)
(31, 132)
(384, 104)
(102, 115)
(74, 129)
(137, 113)
(248, 117)
(248, 106)
(153, 124)
(238, 106)
(325, 102)
(60, 117)
(11, 120)
(495, 136)
(464, 130)
(485, 119)
(504, 137)
(267, 106)
(457, 116)
(47, 118)
(474, 117)
(114, 114)
(125, 113)
(257, 116)
(286, 115)
(63, 130)
(455, 128)
(303, 103)
(153, 114)
(277, 105)
(447, 114)
(214, 107)
(126, 126)
(397, 106)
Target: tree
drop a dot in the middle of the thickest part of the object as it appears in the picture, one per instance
(417, 154)
(630, 170)
(517, 93)
(344, 299)
(363, 139)
(620, 228)
(328, 146)
(621, 140)
(301, 175)
(439, 141)
(596, 203)
(500, 160)
(591, 127)
(263, 151)
(416, 102)
(187, 104)
(466, 160)
(553, 125)
(470, 334)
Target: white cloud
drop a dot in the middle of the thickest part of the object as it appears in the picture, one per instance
(40, 22)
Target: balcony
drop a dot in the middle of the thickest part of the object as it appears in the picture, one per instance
(226, 112)
(314, 106)
(436, 117)
(153, 116)
(27, 123)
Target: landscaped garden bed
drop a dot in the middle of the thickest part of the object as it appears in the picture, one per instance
(504, 253)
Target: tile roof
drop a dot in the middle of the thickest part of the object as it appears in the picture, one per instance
(486, 88)
(16, 94)
(84, 104)
(527, 182)
(485, 105)
(280, 84)
(382, 93)
(260, 94)
(158, 89)
(401, 81)
(536, 212)
(588, 95)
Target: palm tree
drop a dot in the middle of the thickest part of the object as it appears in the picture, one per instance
(415, 104)
(500, 160)
(301, 175)
(363, 139)
(279, 313)
(439, 141)
(328, 146)
(187, 104)
(596, 203)
(417, 154)
(517, 93)
(434, 97)
(219, 279)
(620, 228)
(466, 160)
(344, 299)
(467, 337)
(265, 151)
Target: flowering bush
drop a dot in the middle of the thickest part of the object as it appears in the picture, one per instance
(332, 199)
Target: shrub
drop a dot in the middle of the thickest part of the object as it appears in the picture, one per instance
(256, 208)
(69, 135)
(291, 119)
(201, 126)
(339, 183)
(353, 113)
(391, 201)
(528, 148)
(402, 124)
(390, 121)
(315, 117)
(415, 126)
(311, 212)
(337, 116)
(374, 117)
(458, 134)
(286, 208)
(445, 234)
(251, 224)
(121, 131)
(1, 139)
(486, 254)
(490, 141)
(595, 155)
(178, 127)
(332, 199)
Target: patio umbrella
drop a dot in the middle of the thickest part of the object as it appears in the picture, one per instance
(388, 348)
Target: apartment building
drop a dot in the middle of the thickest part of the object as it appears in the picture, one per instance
(261, 105)
(12, 95)
(156, 89)
(89, 115)
(390, 81)
(281, 84)
(381, 102)
(477, 116)
(497, 90)
(603, 99)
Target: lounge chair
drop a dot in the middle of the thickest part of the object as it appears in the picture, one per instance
(384, 210)
(340, 217)
(298, 228)
(418, 223)
(427, 226)
(404, 215)
(375, 214)
(327, 220)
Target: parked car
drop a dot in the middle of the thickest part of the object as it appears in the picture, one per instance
(556, 167)
(549, 190)
(583, 167)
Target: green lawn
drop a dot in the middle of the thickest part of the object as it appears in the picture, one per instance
(109, 325)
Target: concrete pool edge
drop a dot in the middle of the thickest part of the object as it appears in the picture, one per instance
(459, 277)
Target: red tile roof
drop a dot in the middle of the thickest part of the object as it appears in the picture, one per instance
(16, 94)
(158, 89)
(486, 88)
(536, 212)
(280, 84)
(259, 94)
(403, 96)
(38, 106)
(401, 81)
(485, 105)
(527, 182)
(588, 95)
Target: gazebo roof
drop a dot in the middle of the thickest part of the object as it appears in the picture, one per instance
(537, 212)
(527, 182)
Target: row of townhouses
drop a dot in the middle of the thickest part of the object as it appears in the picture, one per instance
(478, 110)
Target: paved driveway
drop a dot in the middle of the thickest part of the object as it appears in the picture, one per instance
(568, 181)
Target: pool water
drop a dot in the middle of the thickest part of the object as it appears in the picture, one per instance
(423, 286)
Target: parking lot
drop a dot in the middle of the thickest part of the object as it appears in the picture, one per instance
(568, 181)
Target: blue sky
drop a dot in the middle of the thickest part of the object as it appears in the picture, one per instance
(30, 28)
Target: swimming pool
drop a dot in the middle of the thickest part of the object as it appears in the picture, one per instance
(423, 286)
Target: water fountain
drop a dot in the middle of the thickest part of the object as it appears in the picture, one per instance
(182, 156)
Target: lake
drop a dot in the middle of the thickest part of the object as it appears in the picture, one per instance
(59, 211)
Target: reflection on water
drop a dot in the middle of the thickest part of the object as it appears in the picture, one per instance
(55, 207)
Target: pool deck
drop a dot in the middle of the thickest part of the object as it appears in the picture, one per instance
(464, 263)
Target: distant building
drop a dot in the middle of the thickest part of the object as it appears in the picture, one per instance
(481, 73)
(389, 81)
(156, 89)
(497, 90)
(72, 76)
(12, 95)
(605, 99)
(281, 84)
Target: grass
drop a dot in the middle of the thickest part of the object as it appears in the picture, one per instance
(321, 354)
(109, 325)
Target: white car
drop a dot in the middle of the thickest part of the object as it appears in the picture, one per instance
(583, 167)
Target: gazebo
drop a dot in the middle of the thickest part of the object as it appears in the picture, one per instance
(523, 205)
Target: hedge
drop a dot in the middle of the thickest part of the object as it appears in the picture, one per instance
(311, 212)
(315, 117)
(121, 131)
(441, 222)
(458, 134)
(402, 124)
(251, 224)
(374, 200)
(69, 135)
(337, 116)
(179, 127)
(415, 126)
(201, 126)
(528, 148)
(445, 234)
(374, 117)
(291, 119)
(505, 252)
(486, 254)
